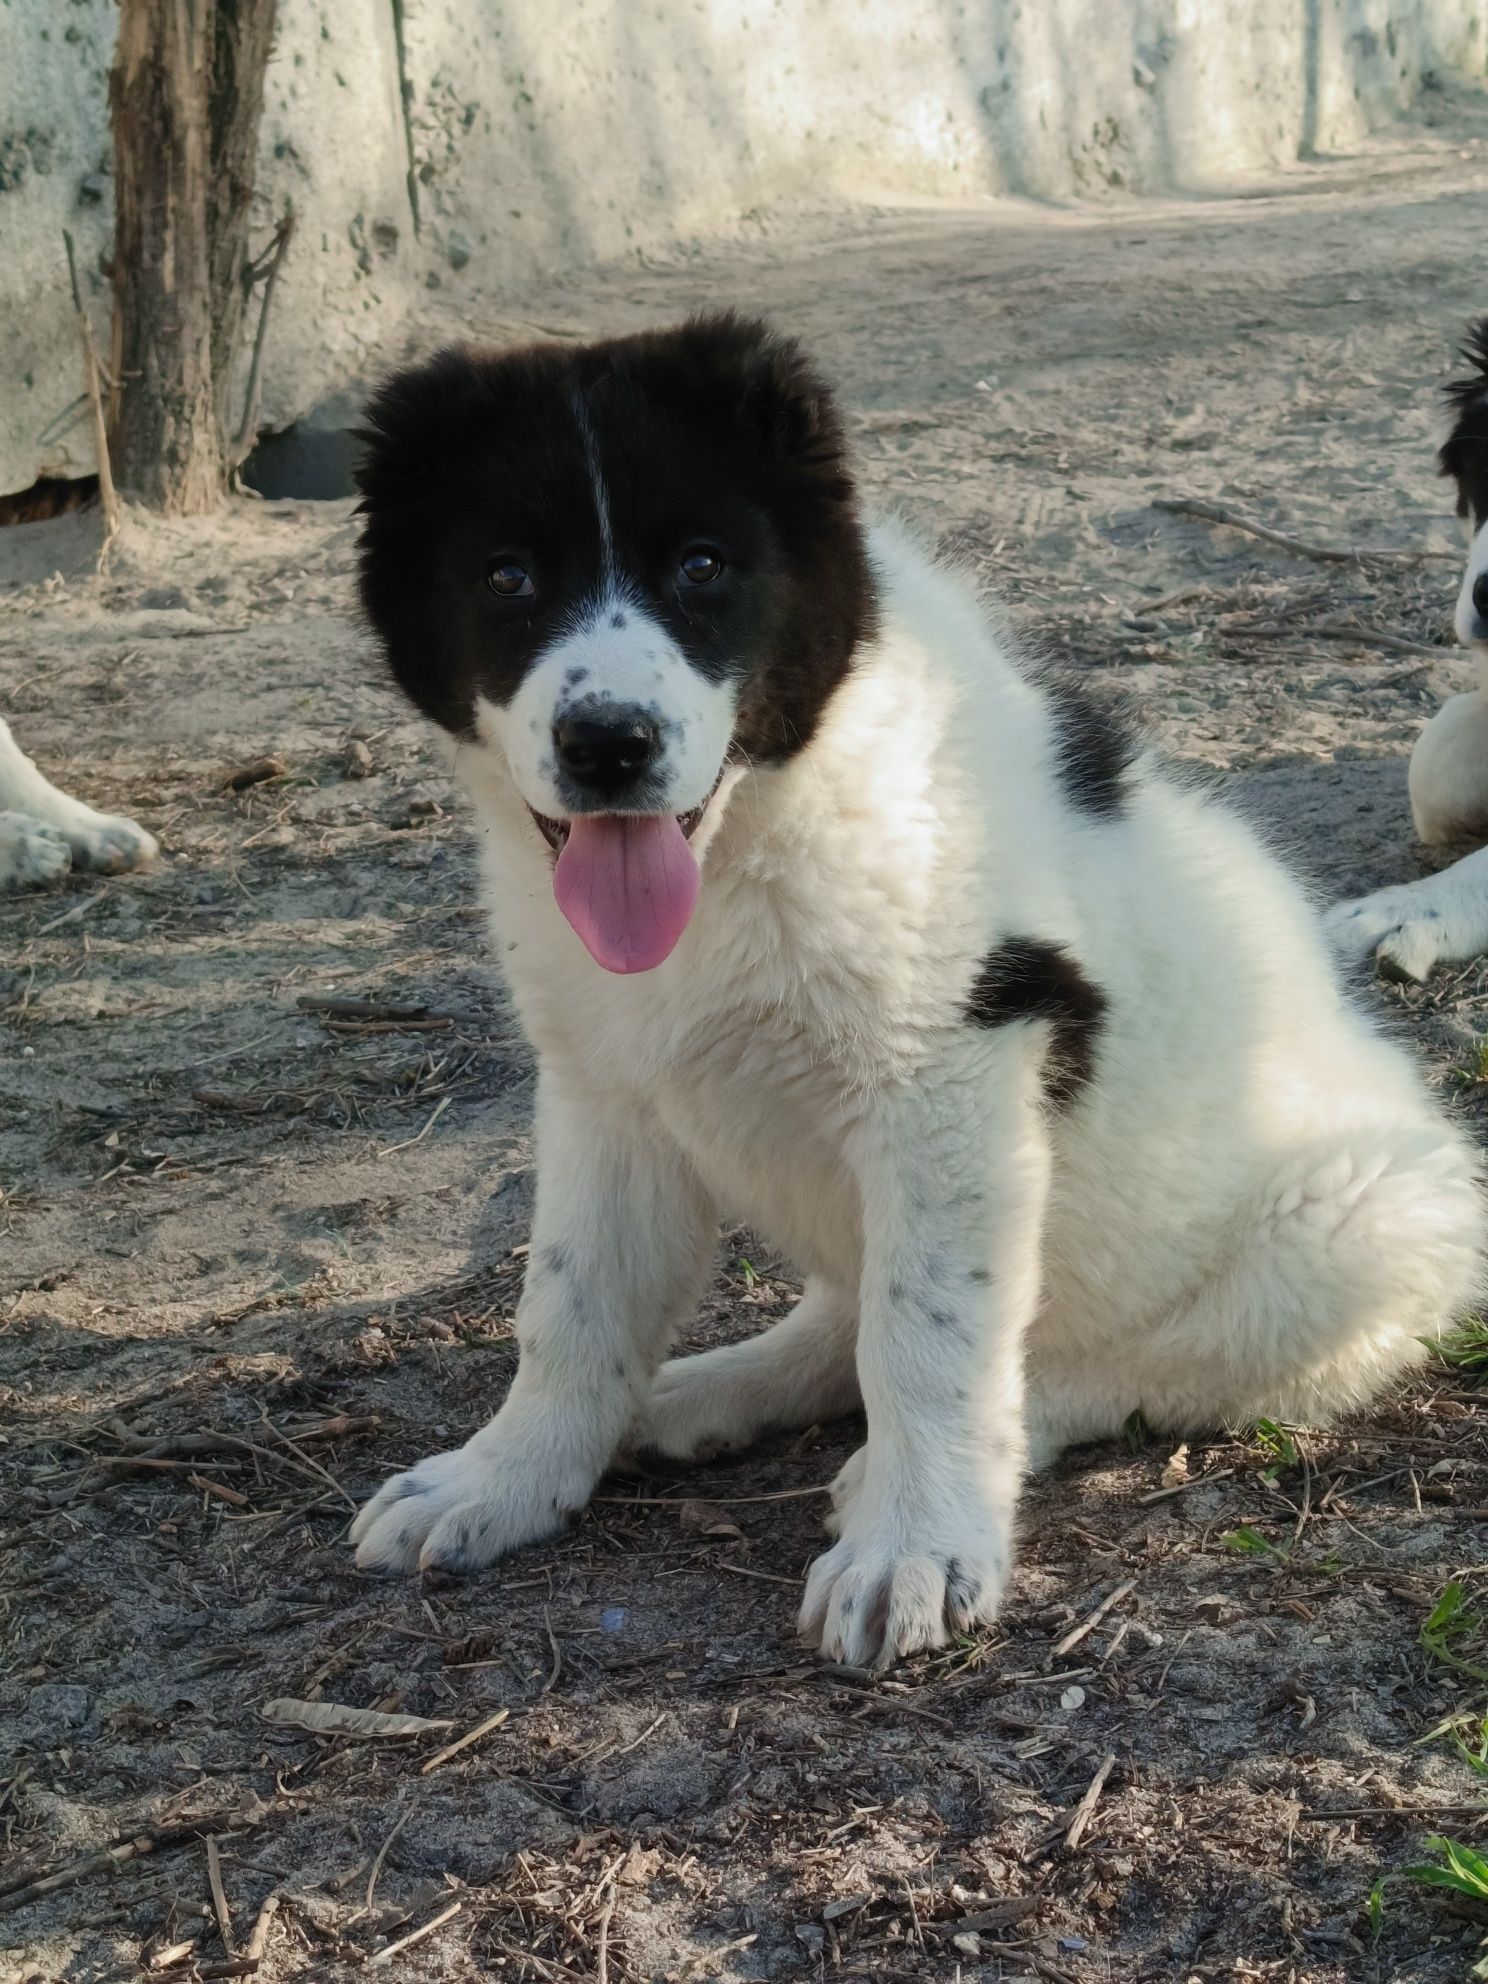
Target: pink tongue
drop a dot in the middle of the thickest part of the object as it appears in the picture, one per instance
(628, 887)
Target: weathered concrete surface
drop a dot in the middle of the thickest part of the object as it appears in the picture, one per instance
(437, 143)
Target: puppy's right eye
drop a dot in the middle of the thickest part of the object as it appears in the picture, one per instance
(508, 578)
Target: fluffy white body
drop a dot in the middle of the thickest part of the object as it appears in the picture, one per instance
(1252, 1206)
(44, 833)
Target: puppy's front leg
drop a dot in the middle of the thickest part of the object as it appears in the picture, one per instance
(954, 1184)
(620, 1248)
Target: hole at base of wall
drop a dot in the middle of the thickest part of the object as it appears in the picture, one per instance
(317, 463)
(49, 496)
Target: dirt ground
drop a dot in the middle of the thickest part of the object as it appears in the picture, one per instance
(260, 1249)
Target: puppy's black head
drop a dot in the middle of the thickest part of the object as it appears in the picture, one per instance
(1464, 453)
(654, 535)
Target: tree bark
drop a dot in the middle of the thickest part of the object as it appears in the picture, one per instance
(185, 97)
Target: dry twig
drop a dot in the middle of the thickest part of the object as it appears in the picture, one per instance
(1324, 554)
(108, 496)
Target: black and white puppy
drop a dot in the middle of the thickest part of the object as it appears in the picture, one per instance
(1443, 919)
(821, 909)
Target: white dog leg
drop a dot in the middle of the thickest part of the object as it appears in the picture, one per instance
(796, 1373)
(621, 1242)
(954, 1186)
(1441, 919)
(1448, 776)
(95, 840)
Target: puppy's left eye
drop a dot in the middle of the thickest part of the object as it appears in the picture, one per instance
(700, 566)
(509, 579)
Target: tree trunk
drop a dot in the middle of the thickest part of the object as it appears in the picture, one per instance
(185, 96)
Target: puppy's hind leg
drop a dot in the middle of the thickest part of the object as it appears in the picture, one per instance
(796, 1373)
(1363, 1247)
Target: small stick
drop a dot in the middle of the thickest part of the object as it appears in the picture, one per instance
(219, 1896)
(463, 1743)
(707, 1501)
(740, 1571)
(439, 1108)
(365, 1009)
(1085, 1810)
(602, 1954)
(248, 426)
(1325, 554)
(1478, 1811)
(258, 1942)
(313, 1466)
(552, 1680)
(1073, 1639)
(1337, 630)
(209, 1487)
(382, 1853)
(1182, 1487)
(18, 1892)
(108, 495)
(416, 1935)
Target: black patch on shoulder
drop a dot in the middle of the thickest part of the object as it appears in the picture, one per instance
(1464, 453)
(1026, 979)
(1093, 749)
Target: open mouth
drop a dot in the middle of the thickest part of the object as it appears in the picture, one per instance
(556, 832)
(627, 883)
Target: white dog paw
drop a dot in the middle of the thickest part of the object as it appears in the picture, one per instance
(877, 1596)
(693, 1414)
(110, 845)
(460, 1511)
(846, 1484)
(1405, 936)
(32, 854)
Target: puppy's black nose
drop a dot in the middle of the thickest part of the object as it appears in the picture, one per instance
(607, 753)
(1480, 595)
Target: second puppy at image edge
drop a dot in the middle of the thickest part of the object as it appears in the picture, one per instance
(823, 909)
(1443, 918)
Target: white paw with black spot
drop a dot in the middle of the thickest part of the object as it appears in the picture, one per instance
(460, 1511)
(1405, 935)
(110, 845)
(890, 1586)
(32, 854)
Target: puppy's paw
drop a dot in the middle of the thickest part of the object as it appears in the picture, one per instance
(846, 1484)
(460, 1511)
(887, 1589)
(108, 844)
(32, 854)
(699, 1408)
(1399, 927)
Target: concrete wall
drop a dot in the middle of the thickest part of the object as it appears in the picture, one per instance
(430, 143)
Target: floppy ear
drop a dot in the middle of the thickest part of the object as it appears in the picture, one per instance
(795, 408)
(415, 424)
(769, 387)
(1464, 453)
(410, 423)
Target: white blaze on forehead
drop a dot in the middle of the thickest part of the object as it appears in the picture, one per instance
(616, 655)
(1467, 619)
(597, 485)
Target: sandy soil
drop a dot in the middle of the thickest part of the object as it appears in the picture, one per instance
(258, 1251)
